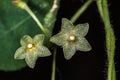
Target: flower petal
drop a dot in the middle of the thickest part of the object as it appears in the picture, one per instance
(20, 53)
(31, 58)
(82, 29)
(83, 45)
(59, 39)
(38, 39)
(26, 39)
(67, 25)
(69, 50)
(43, 51)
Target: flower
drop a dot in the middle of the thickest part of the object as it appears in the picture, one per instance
(31, 49)
(72, 38)
(19, 3)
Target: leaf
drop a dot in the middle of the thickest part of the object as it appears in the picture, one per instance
(14, 23)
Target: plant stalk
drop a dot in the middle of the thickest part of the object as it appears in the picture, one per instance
(54, 65)
(110, 38)
(81, 10)
(37, 21)
(23, 5)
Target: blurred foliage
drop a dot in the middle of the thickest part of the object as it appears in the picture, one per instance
(14, 23)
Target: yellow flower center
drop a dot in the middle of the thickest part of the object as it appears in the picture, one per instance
(72, 38)
(30, 46)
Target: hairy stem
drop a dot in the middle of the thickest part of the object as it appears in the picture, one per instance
(110, 38)
(54, 65)
(81, 10)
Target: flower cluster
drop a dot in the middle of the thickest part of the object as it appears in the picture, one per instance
(71, 38)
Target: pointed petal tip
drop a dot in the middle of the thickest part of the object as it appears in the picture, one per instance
(64, 19)
(90, 48)
(31, 66)
(87, 24)
(15, 57)
(67, 58)
(51, 39)
(69, 51)
(39, 36)
(25, 40)
(38, 39)
(19, 54)
(49, 53)
(57, 39)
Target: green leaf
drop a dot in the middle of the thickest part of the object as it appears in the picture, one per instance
(14, 23)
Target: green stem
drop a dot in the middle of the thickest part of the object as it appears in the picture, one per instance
(50, 15)
(100, 8)
(114, 74)
(36, 20)
(81, 10)
(54, 65)
(24, 6)
(110, 42)
(110, 38)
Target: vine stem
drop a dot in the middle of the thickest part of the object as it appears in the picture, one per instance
(110, 38)
(53, 65)
(81, 10)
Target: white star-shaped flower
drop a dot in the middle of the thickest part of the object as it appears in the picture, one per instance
(72, 38)
(31, 49)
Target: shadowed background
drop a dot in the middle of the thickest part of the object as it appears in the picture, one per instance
(84, 65)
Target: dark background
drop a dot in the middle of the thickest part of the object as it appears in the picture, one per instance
(84, 65)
